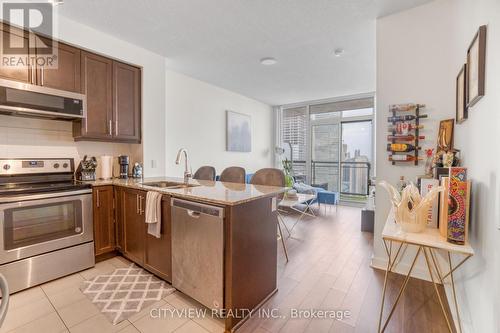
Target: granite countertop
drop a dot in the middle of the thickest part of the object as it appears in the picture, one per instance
(222, 193)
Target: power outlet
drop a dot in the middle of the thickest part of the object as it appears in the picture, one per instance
(153, 164)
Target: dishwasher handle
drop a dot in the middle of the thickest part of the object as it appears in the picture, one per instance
(193, 214)
(195, 209)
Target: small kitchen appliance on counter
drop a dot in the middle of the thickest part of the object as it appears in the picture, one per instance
(46, 229)
(124, 161)
(106, 167)
(137, 170)
(86, 169)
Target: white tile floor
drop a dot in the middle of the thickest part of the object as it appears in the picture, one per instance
(59, 306)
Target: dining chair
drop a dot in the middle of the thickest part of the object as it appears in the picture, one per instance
(205, 173)
(233, 174)
(272, 177)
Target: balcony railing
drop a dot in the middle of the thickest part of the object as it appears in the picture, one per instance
(354, 176)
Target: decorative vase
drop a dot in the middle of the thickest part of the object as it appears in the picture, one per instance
(410, 208)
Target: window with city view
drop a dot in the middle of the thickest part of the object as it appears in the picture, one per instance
(331, 144)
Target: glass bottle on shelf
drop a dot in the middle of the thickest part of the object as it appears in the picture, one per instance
(405, 118)
(403, 128)
(409, 137)
(405, 107)
(429, 153)
(403, 158)
(401, 147)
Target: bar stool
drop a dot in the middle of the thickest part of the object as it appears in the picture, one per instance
(205, 173)
(272, 177)
(233, 174)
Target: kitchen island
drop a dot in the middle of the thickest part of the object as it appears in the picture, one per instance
(248, 233)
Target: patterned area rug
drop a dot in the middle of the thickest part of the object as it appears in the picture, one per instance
(125, 292)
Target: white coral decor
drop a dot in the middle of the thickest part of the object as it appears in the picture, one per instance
(410, 209)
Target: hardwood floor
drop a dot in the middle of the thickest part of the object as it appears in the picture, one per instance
(329, 270)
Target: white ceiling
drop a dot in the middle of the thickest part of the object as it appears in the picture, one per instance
(222, 41)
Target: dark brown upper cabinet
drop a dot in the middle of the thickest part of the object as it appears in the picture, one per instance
(65, 77)
(113, 91)
(25, 74)
(96, 82)
(126, 102)
(67, 74)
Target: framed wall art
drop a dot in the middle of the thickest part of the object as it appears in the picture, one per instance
(461, 95)
(445, 135)
(476, 67)
(238, 132)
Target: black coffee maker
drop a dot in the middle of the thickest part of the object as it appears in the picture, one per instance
(123, 160)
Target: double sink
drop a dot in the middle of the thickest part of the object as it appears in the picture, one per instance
(169, 185)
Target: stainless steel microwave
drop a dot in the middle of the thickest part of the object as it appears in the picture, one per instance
(17, 98)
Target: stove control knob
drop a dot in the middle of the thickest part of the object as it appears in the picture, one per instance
(56, 165)
(65, 165)
(6, 166)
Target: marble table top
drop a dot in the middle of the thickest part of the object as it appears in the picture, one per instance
(430, 237)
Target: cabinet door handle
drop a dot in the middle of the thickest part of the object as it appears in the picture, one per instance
(110, 130)
(116, 127)
(138, 210)
(32, 74)
(141, 200)
(98, 201)
(42, 75)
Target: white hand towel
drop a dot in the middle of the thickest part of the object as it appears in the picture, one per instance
(153, 213)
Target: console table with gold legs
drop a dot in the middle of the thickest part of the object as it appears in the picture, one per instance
(429, 243)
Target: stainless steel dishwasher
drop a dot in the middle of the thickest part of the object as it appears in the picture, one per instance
(198, 251)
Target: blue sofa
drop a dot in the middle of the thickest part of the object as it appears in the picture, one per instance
(322, 196)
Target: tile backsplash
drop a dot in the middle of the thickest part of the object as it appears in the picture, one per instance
(36, 138)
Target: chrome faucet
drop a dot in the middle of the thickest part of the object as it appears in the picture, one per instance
(187, 171)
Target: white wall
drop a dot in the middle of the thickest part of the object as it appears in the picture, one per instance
(196, 120)
(28, 137)
(412, 67)
(419, 54)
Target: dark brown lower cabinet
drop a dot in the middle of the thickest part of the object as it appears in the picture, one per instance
(104, 220)
(132, 239)
(250, 251)
(158, 251)
(119, 229)
(132, 204)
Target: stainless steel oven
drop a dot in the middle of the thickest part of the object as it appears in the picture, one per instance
(46, 228)
(41, 223)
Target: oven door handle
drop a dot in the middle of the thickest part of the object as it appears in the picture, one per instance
(18, 198)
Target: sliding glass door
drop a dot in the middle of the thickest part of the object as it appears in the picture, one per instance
(331, 144)
(325, 149)
(357, 152)
(295, 134)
